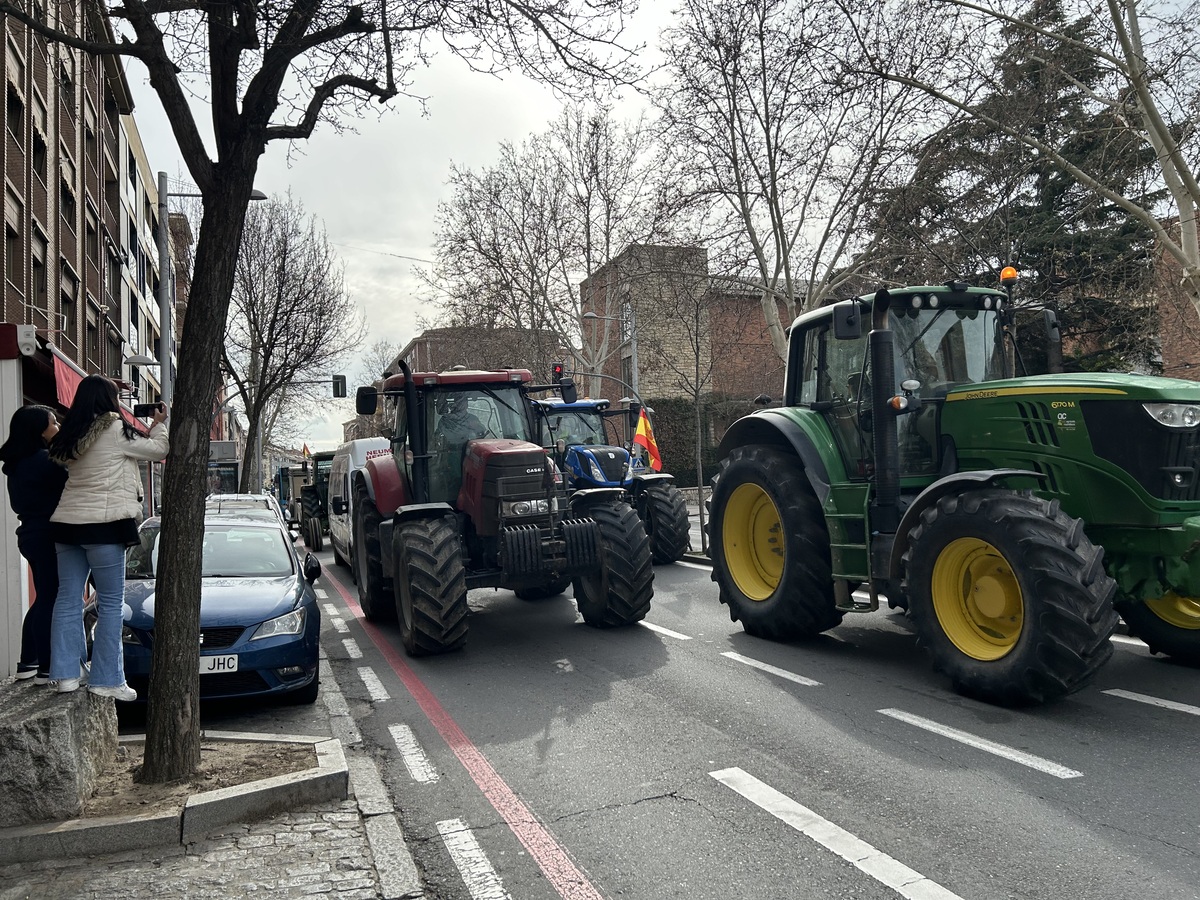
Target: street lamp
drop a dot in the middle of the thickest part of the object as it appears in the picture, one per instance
(632, 340)
(166, 386)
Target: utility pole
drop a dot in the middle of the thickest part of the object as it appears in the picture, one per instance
(165, 379)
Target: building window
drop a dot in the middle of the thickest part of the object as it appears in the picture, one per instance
(93, 340)
(91, 149)
(67, 203)
(37, 156)
(69, 303)
(114, 354)
(39, 282)
(12, 255)
(16, 114)
(92, 239)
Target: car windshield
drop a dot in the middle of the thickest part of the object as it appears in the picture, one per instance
(230, 551)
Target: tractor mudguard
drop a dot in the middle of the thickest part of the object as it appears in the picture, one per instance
(951, 484)
(407, 513)
(589, 495)
(640, 481)
(773, 428)
(385, 487)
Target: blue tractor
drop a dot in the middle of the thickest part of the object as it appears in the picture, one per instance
(588, 458)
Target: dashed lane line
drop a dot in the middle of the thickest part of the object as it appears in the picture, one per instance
(352, 649)
(339, 625)
(773, 670)
(330, 610)
(1155, 701)
(863, 856)
(477, 873)
(321, 593)
(971, 740)
(413, 755)
(658, 629)
(375, 688)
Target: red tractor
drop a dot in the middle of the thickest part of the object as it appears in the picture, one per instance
(468, 499)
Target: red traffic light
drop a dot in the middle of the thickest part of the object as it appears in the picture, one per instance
(559, 371)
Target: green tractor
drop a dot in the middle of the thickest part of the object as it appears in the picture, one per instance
(1012, 518)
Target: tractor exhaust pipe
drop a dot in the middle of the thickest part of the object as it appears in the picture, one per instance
(886, 517)
(416, 437)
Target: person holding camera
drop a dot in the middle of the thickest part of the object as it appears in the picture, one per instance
(96, 519)
(34, 486)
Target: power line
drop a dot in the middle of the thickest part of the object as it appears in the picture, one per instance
(384, 253)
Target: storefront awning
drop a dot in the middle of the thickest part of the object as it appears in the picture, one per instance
(67, 376)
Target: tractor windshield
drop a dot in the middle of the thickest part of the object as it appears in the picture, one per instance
(577, 427)
(945, 347)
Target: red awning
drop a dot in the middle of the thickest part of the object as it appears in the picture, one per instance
(66, 381)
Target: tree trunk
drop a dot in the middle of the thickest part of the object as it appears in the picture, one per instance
(173, 715)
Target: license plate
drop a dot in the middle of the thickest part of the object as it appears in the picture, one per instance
(213, 664)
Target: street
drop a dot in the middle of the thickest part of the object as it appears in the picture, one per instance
(683, 758)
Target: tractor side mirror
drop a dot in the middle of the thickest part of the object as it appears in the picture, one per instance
(847, 320)
(366, 400)
(1053, 334)
(567, 387)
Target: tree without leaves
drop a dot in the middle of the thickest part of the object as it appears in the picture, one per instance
(290, 318)
(273, 71)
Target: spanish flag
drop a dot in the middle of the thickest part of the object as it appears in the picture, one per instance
(305, 452)
(645, 438)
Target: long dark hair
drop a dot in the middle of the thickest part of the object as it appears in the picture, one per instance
(25, 434)
(95, 396)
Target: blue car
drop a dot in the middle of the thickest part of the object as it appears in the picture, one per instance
(260, 624)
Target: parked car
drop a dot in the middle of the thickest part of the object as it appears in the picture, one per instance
(260, 623)
(260, 505)
(349, 458)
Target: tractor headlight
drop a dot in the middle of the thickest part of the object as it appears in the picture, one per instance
(525, 507)
(1174, 415)
(597, 474)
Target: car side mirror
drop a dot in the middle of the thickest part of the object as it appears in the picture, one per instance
(312, 568)
(338, 505)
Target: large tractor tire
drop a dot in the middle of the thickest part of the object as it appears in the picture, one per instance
(312, 535)
(430, 586)
(1009, 596)
(665, 517)
(310, 505)
(770, 547)
(1169, 625)
(543, 591)
(374, 592)
(619, 592)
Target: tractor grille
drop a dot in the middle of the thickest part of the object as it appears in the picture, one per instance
(610, 461)
(1165, 461)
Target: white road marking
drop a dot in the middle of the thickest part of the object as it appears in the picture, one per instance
(1156, 701)
(374, 686)
(415, 760)
(692, 565)
(766, 667)
(321, 594)
(883, 868)
(330, 609)
(339, 625)
(352, 648)
(477, 873)
(658, 629)
(971, 740)
(1126, 639)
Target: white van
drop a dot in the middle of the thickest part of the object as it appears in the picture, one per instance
(349, 458)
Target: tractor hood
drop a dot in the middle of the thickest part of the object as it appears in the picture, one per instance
(1096, 384)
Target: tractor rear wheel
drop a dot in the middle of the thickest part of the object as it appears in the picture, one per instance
(543, 591)
(665, 516)
(430, 586)
(1169, 625)
(1009, 596)
(374, 593)
(619, 592)
(312, 535)
(770, 547)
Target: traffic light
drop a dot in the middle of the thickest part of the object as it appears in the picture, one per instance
(560, 370)
(339, 385)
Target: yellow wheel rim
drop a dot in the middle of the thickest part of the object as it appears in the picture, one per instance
(977, 599)
(752, 541)
(1182, 612)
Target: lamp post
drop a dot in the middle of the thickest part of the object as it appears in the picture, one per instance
(166, 378)
(631, 340)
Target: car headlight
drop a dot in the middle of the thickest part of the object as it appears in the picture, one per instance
(525, 507)
(1174, 415)
(292, 623)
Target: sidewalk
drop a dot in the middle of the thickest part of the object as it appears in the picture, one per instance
(351, 849)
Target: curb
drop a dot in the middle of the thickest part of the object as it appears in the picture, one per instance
(203, 812)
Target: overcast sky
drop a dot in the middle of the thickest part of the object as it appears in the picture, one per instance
(377, 191)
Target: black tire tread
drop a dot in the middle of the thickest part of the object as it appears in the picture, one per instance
(374, 592)
(620, 593)
(666, 519)
(430, 566)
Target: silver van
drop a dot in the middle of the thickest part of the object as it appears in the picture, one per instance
(349, 458)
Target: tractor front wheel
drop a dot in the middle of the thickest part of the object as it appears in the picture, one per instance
(373, 591)
(1009, 596)
(619, 592)
(770, 547)
(1169, 625)
(430, 586)
(665, 516)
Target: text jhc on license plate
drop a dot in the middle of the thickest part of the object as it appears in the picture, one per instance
(210, 665)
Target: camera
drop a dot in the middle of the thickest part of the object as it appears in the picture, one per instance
(146, 410)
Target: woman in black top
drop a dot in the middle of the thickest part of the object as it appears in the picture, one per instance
(34, 486)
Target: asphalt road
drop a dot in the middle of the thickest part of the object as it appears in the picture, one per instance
(682, 758)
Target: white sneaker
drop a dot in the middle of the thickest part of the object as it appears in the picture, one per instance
(121, 692)
(67, 685)
(24, 672)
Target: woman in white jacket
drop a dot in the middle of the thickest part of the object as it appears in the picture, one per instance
(96, 519)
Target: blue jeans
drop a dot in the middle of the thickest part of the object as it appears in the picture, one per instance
(68, 645)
